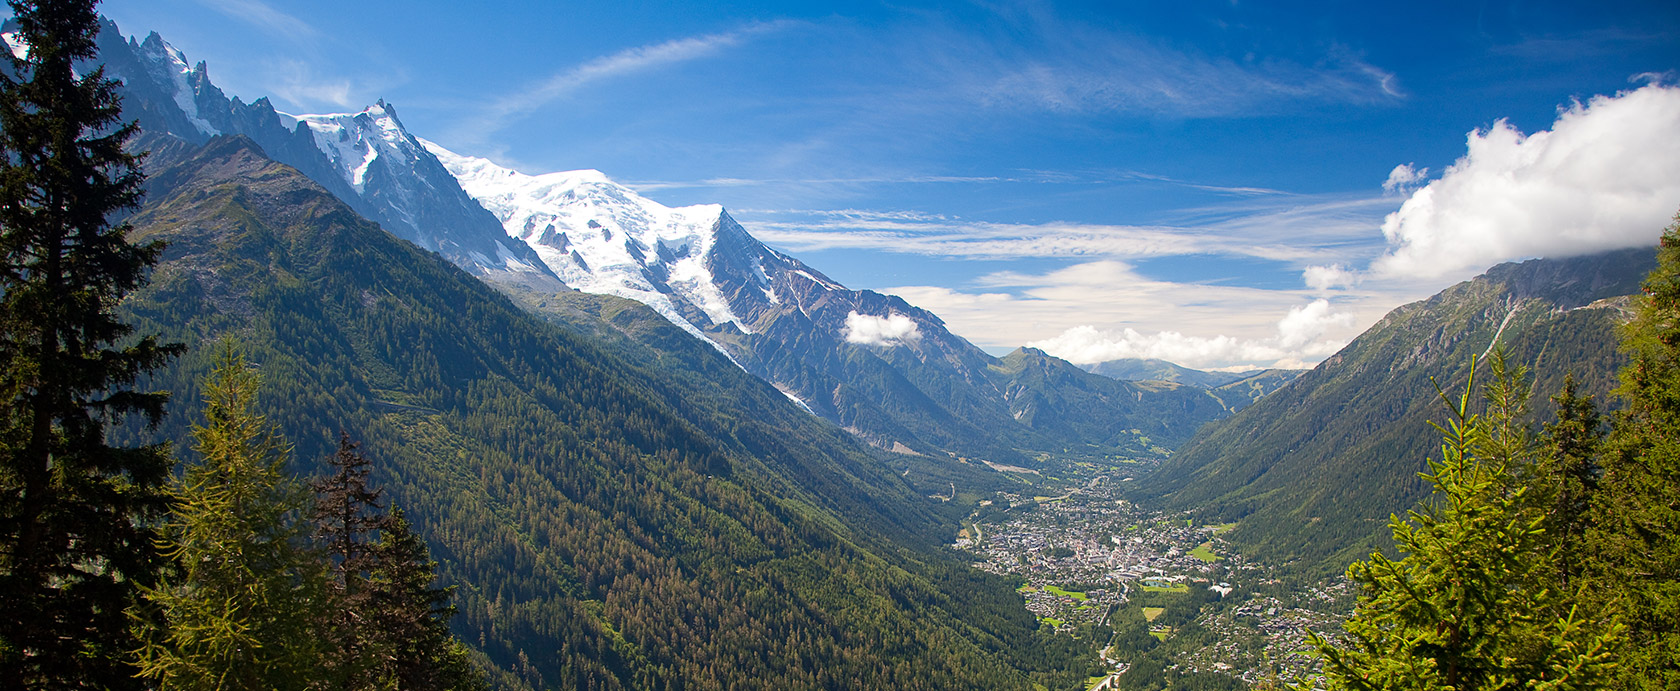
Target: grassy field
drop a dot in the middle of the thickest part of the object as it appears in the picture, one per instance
(1223, 528)
(1205, 553)
(1149, 613)
(1058, 592)
(1175, 588)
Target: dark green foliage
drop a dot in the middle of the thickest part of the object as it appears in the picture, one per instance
(76, 513)
(613, 515)
(1470, 605)
(241, 612)
(1567, 478)
(408, 617)
(1635, 523)
(346, 517)
(1315, 468)
(1095, 416)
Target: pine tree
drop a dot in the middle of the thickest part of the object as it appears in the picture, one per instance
(1568, 477)
(77, 516)
(1636, 520)
(1468, 606)
(347, 516)
(241, 612)
(419, 652)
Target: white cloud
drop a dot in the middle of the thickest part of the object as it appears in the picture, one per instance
(263, 15)
(618, 64)
(1288, 229)
(295, 82)
(893, 329)
(1323, 279)
(1104, 309)
(1096, 70)
(1404, 178)
(1605, 176)
(1302, 330)
(1298, 342)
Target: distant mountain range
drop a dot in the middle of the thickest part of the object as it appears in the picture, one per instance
(615, 516)
(612, 419)
(1312, 471)
(885, 370)
(1235, 389)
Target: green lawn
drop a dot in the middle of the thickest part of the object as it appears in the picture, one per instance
(1149, 613)
(1205, 553)
(1058, 592)
(1054, 622)
(1223, 528)
(1177, 588)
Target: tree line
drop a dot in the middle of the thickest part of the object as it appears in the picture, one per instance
(115, 572)
(1547, 561)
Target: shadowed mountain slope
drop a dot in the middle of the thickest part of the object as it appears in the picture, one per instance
(610, 523)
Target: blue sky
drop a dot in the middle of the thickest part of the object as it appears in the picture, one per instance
(1201, 181)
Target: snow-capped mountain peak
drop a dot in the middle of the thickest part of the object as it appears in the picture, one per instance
(601, 237)
(354, 140)
(168, 66)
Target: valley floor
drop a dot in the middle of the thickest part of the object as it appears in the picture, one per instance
(1173, 598)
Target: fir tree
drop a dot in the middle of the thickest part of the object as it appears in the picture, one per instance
(76, 515)
(347, 516)
(1468, 606)
(412, 616)
(241, 612)
(1636, 520)
(1568, 477)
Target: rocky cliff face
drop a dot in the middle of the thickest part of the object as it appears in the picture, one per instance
(366, 159)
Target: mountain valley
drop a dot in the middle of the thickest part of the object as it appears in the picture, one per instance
(649, 451)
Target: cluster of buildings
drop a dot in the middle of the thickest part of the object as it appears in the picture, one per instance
(1081, 554)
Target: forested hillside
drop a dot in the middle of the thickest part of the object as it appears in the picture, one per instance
(1313, 471)
(607, 527)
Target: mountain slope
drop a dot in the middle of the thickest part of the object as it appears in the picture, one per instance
(888, 371)
(924, 391)
(1140, 369)
(609, 525)
(390, 179)
(1314, 469)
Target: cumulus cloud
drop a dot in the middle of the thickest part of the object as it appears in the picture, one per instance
(893, 329)
(1323, 279)
(1302, 330)
(1404, 178)
(1299, 340)
(1605, 176)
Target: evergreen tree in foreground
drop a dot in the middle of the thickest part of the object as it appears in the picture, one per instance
(243, 611)
(384, 623)
(411, 616)
(76, 515)
(346, 516)
(1568, 479)
(1469, 607)
(1635, 524)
